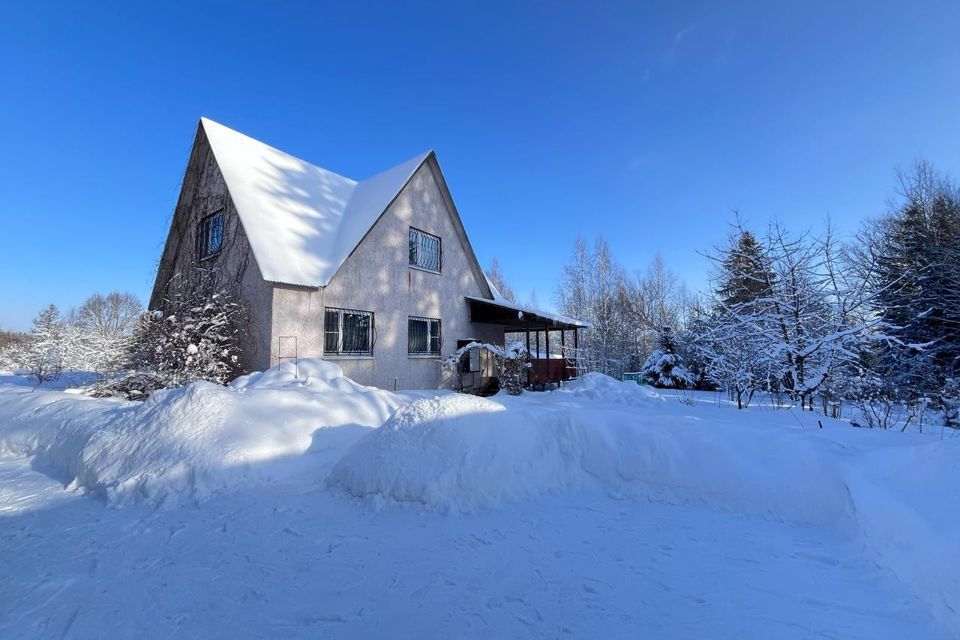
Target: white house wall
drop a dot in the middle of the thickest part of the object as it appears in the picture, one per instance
(377, 277)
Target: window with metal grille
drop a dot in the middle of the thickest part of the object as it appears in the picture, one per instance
(210, 235)
(348, 332)
(423, 336)
(426, 251)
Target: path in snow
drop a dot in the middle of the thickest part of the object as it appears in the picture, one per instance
(287, 561)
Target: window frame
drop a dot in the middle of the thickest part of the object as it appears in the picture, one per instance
(429, 353)
(340, 353)
(414, 231)
(202, 234)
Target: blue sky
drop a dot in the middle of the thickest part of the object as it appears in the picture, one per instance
(646, 122)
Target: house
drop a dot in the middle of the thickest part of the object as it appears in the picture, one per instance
(378, 275)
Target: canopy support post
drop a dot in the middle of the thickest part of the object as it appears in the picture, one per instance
(563, 354)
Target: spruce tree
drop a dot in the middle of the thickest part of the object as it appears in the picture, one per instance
(744, 275)
(664, 368)
(917, 282)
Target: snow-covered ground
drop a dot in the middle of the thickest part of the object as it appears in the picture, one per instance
(275, 507)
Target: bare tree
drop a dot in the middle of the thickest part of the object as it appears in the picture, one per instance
(111, 315)
(592, 289)
(102, 328)
(499, 280)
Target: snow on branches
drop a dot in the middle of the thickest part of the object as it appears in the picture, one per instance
(512, 361)
(789, 314)
(195, 336)
(664, 368)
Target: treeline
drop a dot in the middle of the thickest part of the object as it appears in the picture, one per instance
(873, 321)
(93, 338)
(132, 351)
(817, 321)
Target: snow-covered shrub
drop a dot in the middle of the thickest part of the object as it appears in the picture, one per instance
(11, 356)
(664, 368)
(11, 343)
(513, 366)
(199, 343)
(879, 403)
(512, 361)
(195, 337)
(949, 402)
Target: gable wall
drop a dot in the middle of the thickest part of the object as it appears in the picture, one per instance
(204, 192)
(378, 278)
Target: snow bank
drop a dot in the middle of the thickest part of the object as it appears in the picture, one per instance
(601, 388)
(451, 452)
(307, 370)
(908, 510)
(464, 453)
(190, 442)
(891, 490)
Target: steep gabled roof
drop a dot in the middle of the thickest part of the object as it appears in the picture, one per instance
(302, 221)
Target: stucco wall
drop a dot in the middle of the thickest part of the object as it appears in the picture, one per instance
(378, 278)
(204, 192)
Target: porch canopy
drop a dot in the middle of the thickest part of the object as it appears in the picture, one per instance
(520, 317)
(517, 318)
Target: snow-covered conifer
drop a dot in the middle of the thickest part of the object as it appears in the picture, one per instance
(42, 354)
(664, 368)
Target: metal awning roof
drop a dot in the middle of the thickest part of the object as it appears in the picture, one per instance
(519, 317)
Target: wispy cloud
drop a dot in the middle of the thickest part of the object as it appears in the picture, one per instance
(677, 41)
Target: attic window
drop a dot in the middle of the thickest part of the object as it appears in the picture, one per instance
(210, 235)
(426, 251)
(347, 332)
(423, 336)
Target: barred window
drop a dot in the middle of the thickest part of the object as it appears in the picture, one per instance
(210, 235)
(423, 336)
(348, 332)
(426, 251)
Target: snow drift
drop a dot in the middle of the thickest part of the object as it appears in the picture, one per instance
(457, 453)
(463, 453)
(908, 511)
(451, 452)
(597, 387)
(187, 443)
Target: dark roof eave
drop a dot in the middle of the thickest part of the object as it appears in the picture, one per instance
(485, 311)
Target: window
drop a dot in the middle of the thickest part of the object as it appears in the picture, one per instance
(348, 332)
(210, 235)
(425, 250)
(423, 336)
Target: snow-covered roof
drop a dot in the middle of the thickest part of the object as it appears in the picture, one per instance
(497, 296)
(302, 221)
(502, 302)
